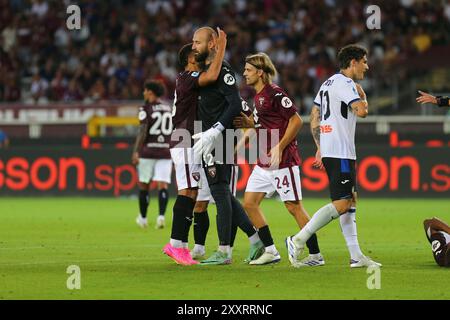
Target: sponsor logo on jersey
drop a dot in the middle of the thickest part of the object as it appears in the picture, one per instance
(229, 79)
(286, 102)
(326, 128)
(195, 74)
(435, 245)
(142, 115)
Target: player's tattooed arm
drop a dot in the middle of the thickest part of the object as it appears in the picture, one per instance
(315, 124)
(361, 107)
(138, 143)
(211, 75)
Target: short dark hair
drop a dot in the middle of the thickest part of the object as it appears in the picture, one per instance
(183, 55)
(350, 52)
(156, 86)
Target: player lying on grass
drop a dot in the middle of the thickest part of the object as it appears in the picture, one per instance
(276, 115)
(151, 154)
(333, 121)
(438, 234)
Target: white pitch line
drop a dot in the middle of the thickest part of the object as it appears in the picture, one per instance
(78, 262)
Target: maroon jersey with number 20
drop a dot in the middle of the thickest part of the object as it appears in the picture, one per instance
(157, 117)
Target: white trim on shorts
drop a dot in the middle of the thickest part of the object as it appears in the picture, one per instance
(204, 193)
(154, 170)
(188, 174)
(267, 181)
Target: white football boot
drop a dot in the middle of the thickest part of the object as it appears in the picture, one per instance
(160, 222)
(364, 261)
(141, 222)
(294, 251)
(266, 258)
(312, 260)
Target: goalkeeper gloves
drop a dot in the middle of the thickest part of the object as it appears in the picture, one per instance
(207, 139)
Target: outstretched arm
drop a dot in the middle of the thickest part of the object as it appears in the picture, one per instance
(428, 98)
(211, 75)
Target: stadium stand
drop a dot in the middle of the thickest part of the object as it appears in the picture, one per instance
(122, 43)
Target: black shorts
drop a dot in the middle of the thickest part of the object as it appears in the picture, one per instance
(440, 248)
(218, 173)
(342, 176)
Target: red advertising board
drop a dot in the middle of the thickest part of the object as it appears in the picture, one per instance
(381, 172)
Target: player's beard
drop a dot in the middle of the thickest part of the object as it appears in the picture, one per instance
(201, 56)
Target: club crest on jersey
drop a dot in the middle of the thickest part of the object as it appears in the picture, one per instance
(286, 102)
(229, 79)
(142, 115)
(261, 101)
(212, 171)
(196, 176)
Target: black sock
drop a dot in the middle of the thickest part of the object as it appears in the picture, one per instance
(234, 228)
(201, 227)
(163, 197)
(265, 236)
(241, 219)
(144, 200)
(313, 244)
(182, 218)
(222, 195)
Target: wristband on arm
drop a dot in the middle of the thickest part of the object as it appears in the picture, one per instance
(442, 101)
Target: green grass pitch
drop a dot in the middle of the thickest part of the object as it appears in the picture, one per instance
(41, 237)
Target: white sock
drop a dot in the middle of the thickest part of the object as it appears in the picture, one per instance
(225, 249)
(254, 238)
(185, 245)
(199, 248)
(321, 218)
(230, 254)
(272, 249)
(348, 227)
(176, 243)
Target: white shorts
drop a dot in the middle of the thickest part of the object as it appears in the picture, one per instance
(285, 181)
(187, 173)
(204, 193)
(154, 170)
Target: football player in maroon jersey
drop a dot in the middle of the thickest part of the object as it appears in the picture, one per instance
(438, 234)
(151, 154)
(275, 114)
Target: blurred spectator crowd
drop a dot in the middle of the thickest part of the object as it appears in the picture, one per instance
(124, 42)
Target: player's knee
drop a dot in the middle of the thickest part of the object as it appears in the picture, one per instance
(293, 207)
(201, 206)
(220, 189)
(191, 193)
(342, 206)
(249, 205)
